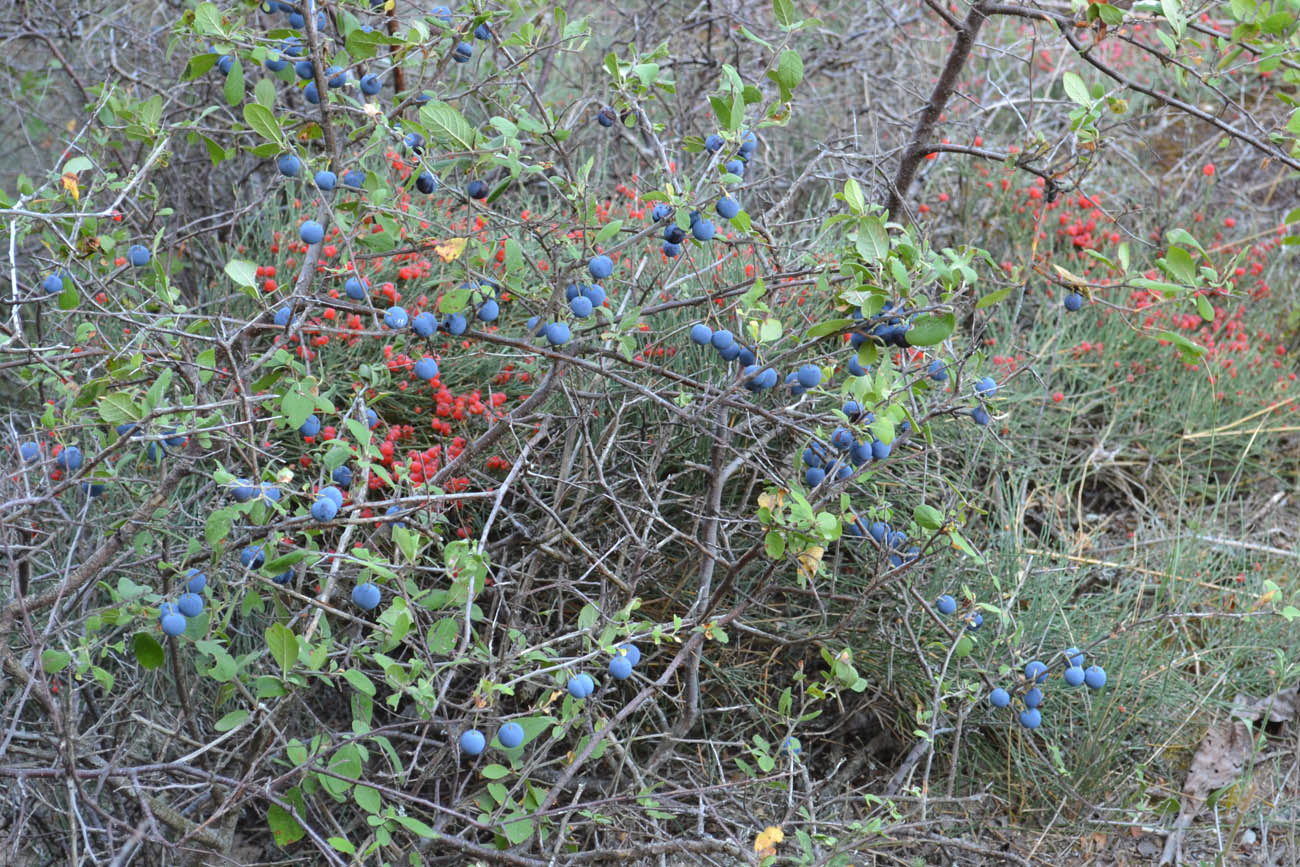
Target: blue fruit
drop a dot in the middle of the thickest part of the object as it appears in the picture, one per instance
(252, 557)
(661, 211)
(424, 324)
(463, 52)
(442, 13)
(856, 368)
(456, 324)
(812, 457)
(92, 489)
(311, 94)
(581, 306)
(731, 353)
(337, 77)
(714, 143)
(393, 510)
(588, 685)
(701, 334)
(671, 250)
(674, 234)
(275, 63)
(52, 284)
(366, 596)
(986, 387)
(324, 509)
(746, 356)
(860, 454)
(284, 577)
(595, 294)
(472, 742)
(354, 179)
(195, 581)
(1036, 671)
(620, 668)
(843, 471)
(1074, 656)
(242, 490)
(356, 288)
(974, 620)
(69, 459)
(842, 439)
(981, 416)
(721, 339)
(138, 255)
(477, 189)
(938, 371)
(511, 735)
(154, 452)
(557, 333)
(1073, 302)
(342, 475)
(172, 624)
(225, 63)
(489, 311)
(426, 182)
(703, 230)
(311, 426)
(631, 651)
(371, 84)
(305, 70)
(29, 451)
(190, 604)
(331, 493)
(727, 207)
(291, 47)
(426, 368)
(372, 418)
(482, 32)
(1031, 718)
(1075, 676)
(999, 697)
(1034, 697)
(946, 604)
(879, 531)
(809, 376)
(606, 117)
(1094, 676)
(269, 492)
(814, 476)
(880, 450)
(311, 232)
(396, 318)
(326, 180)
(735, 167)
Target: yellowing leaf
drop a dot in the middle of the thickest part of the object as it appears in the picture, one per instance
(450, 249)
(809, 560)
(70, 184)
(771, 501)
(766, 842)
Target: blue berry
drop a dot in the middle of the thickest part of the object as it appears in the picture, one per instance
(1034, 697)
(1036, 671)
(1075, 676)
(311, 426)
(946, 604)
(1031, 718)
(1073, 302)
(1094, 676)
(999, 697)
(396, 318)
(426, 368)
(472, 742)
(727, 207)
(366, 596)
(620, 668)
(311, 232)
(511, 735)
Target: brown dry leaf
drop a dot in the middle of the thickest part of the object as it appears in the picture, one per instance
(1222, 755)
(809, 560)
(766, 842)
(450, 249)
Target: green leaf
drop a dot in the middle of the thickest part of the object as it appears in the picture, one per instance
(217, 526)
(830, 326)
(1076, 89)
(447, 125)
(770, 331)
(1180, 265)
(1204, 308)
(608, 231)
(1190, 350)
(789, 69)
(928, 517)
(368, 799)
(518, 830)
(148, 652)
(117, 408)
(242, 272)
(853, 195)
(414, 825)
(931, 328)
(495, 772)
(993, 298)
(283, 645)
(262, 121)
(775, 544)
(54, 661)
(872, 241)
(783, 11)
(230, 720)
(235, 83)
(441, 639)
(284, 827)
(360, 682)
(342, 845)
